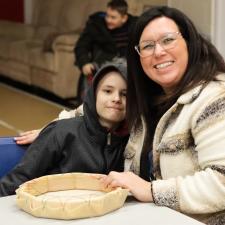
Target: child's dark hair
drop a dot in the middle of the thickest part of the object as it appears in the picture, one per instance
(119, 5)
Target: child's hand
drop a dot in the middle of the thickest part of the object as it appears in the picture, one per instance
(27, 137)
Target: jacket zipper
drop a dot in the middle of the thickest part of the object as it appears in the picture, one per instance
(108, 143)
(109, 138)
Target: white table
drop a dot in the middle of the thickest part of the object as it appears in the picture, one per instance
(132, 213)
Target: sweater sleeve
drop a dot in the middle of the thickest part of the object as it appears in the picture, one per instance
(204, 191)
(38, 159)
(64, 114)
(83, 46)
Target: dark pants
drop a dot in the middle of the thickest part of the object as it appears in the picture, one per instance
(83, 85)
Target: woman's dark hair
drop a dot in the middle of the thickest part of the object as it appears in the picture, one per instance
(146, 98)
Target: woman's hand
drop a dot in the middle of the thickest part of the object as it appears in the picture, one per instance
(27, 137)
(140, 188)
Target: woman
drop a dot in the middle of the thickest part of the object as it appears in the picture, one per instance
(91, 143)
(176, 108)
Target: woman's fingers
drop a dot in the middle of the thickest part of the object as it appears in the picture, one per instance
(98, 176)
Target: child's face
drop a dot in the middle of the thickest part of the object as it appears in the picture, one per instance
(111, 99)
(114, 19)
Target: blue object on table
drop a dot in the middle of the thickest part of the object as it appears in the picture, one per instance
(10, 154)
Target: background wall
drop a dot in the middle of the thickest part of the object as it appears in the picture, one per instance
(199, 11)
(28, 10)
(21, 10)
(218, 29)
(208, 16)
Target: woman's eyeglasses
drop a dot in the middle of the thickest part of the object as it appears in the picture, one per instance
(147, 48)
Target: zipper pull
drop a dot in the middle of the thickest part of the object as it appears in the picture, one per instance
(109, 138)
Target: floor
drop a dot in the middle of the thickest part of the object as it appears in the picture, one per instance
(21, 111)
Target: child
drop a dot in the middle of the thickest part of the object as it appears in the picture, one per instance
(92, 143)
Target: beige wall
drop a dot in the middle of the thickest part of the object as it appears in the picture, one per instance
(28, 6)
(146, 3)
(199, 11)
(218, 31)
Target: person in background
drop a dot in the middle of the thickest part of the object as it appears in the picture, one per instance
(176, 108)
(93, 142)
(104, 38)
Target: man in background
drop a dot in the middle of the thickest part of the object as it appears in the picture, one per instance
(104, 38)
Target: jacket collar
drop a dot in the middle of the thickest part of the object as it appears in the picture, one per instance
(191, 95)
